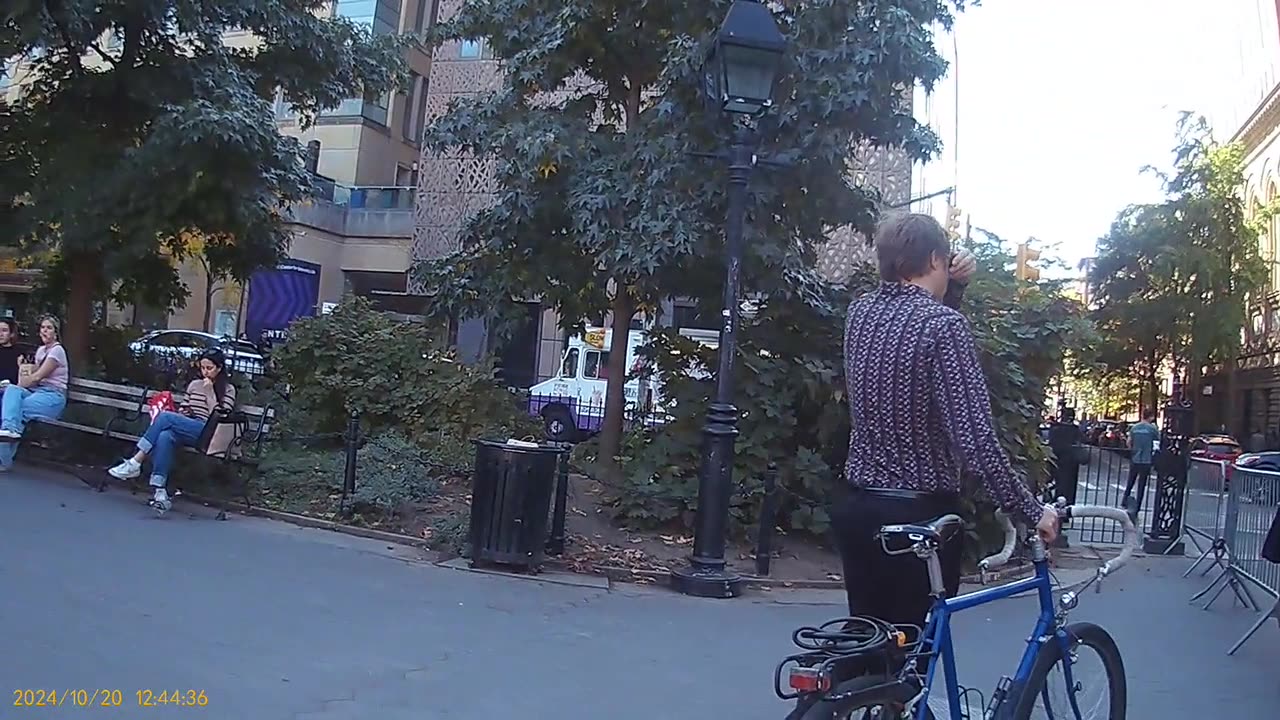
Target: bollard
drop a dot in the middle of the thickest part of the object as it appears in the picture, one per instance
(353, 448)
(768, 511)
(555, 543)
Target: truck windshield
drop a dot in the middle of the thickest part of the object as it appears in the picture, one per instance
(569, 368)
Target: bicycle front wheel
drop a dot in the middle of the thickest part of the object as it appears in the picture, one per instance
(865, 698)
(1086, 682)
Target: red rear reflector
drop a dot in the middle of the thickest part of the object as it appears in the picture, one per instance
(808, 680)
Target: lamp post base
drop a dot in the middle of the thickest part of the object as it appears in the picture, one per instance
(706, 583)
(1152, 545)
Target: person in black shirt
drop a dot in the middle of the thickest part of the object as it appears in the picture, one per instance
(9, 353)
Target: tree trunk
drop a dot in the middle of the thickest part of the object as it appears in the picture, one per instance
(83, 285)
(615, 399)
(208, 303)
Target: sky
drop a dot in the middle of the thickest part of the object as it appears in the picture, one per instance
(1062, 103)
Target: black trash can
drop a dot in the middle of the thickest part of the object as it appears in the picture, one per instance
(510, 498)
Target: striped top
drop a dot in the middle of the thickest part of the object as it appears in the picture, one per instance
(201, 399)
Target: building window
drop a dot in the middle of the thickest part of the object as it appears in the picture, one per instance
(382, 17)
(470, 49)
(407, 120)
(426, 14)
(420, 116)
(284, 110)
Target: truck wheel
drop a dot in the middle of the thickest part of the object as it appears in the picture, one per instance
(559, 424)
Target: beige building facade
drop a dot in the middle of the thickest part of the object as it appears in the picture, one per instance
(1247, 402)
(452, 188)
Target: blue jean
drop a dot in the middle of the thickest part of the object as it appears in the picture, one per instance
(167, 433)
(21, 405)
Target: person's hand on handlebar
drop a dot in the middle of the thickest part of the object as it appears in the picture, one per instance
(1048, 525)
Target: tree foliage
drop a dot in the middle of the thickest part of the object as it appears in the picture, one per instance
(1173, 280)
(138, 125)
(394, 374)
(793, 398)
(602, 204)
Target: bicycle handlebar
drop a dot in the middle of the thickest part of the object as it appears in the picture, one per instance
(1131, 536)
(1066, 512)
(1006, 552)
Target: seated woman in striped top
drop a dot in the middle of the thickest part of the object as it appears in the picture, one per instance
(171, 430)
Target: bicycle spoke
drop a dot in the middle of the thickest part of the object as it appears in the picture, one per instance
(1085, 698)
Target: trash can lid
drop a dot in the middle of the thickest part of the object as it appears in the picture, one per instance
(518, 446)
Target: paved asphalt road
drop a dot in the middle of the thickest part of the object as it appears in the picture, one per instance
(274, 622)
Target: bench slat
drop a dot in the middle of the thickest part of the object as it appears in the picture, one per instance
(101, 401)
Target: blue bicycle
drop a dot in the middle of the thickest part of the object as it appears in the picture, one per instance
(865, 669)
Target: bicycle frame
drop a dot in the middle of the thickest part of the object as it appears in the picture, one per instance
(937, 633)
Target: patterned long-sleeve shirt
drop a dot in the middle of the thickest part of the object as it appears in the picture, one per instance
(918, 401)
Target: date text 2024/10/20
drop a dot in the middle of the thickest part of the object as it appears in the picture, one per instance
(111, 698)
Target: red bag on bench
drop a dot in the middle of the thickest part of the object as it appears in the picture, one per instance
(160, 402)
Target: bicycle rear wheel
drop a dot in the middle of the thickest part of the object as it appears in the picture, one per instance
(869, 698)
(1098, 688)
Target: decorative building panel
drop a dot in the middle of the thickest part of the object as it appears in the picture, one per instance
(452, 186)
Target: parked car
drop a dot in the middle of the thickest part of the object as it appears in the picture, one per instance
(1113, 436)
(1269, 461)
(1266, 461)
(166, 349)
(1215, 447)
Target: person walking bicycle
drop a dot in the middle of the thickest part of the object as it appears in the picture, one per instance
(921, 416)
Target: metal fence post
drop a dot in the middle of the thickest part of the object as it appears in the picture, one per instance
(1172, 463)
(555, 542)
(768, 513)
(353, 450)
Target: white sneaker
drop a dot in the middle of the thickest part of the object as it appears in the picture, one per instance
(127, 470)
(161, 501)
(10, 434)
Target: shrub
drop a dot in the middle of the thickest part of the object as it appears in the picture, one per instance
(394, 476)
(395, 374)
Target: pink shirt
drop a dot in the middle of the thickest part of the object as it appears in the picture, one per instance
(56, 380)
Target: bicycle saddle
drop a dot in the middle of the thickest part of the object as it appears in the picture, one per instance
(938, 531)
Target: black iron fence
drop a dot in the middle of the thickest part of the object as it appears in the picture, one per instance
(568, 417)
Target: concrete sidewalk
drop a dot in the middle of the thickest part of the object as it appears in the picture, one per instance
(274, 622)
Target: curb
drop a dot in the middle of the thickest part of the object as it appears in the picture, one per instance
(316, 523)
(612, 573)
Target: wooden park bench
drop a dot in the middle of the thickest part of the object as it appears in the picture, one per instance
(128, 405)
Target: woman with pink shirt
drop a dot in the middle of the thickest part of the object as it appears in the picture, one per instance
(42, 394)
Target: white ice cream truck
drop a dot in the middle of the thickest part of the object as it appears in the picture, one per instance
(571, 404)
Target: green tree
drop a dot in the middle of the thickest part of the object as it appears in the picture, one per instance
(790, 372)
(1174, 280)
(602, 204)
(138, 127)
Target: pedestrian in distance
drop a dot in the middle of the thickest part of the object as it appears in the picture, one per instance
(921, 417)
(1142, 442)
(209, 395)
(10, 354)
(40, 394)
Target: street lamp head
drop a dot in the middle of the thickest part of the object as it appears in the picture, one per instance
(743, 63)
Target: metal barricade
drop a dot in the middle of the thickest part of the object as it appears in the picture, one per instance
(1207, 513)
(1204, 513)
(1253, 502)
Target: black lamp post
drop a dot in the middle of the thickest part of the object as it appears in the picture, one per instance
(739, 74)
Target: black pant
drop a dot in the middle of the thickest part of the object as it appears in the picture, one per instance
(894, 588)
(1139, 472)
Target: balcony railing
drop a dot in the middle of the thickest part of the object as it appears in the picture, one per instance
(370, 197)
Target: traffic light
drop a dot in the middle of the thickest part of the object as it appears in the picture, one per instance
(1025, 257)
(953, 222)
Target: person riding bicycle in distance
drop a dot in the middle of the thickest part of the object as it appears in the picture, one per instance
(921, 417)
